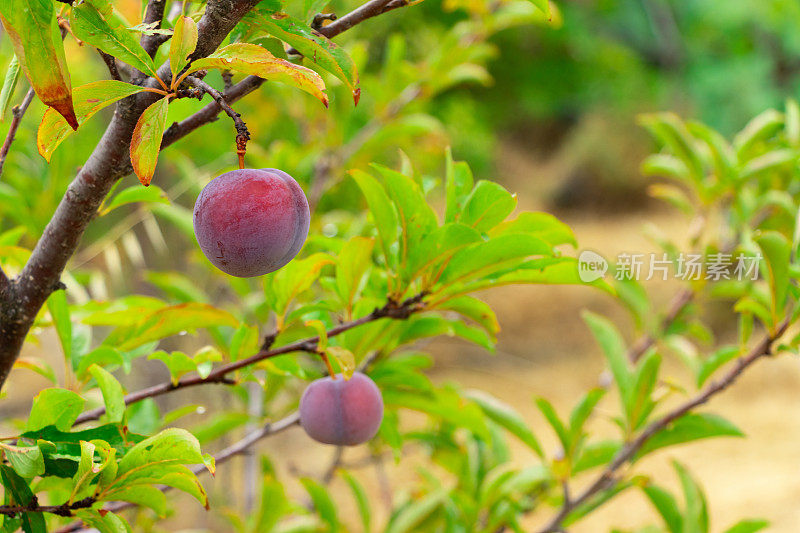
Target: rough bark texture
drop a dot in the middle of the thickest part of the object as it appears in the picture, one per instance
(24, 296)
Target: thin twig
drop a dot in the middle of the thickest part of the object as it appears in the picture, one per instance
(392, 310)
(17, 113)
(607, 477)
(242, 133)
(65, 509)
(224, 455)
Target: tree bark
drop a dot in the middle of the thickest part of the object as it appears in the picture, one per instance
(25, 295)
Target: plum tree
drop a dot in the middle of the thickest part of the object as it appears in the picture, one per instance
(342, 411)
(250, 222)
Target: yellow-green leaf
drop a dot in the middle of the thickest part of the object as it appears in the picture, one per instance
(88, 99)
(146, 141)
(33, 29)
(314, 46)
(183, 43)
(99, 24)
(254, 60)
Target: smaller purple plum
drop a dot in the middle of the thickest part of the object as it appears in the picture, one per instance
(342, 411)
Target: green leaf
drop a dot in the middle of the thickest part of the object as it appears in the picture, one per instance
(38, 365)
(178, 363)
(32, 27)
(257, 61)
(9, 84)
(87, 470)
(480, 259)
(543, 225)
(488, 205)
(438, 247)
(183, 43)
(748, 526)
(382, 210)
(555, 422)
(352, 264)
(323, 503)
(59, 310)
(27, 461)
(595, 454)
(458, 184)
(476, 310)
(690, 427)
(57, 407)
(104, 523)
(777, 251)
(610, 340)
(113, 397)
(273, 504)
(290, 281)
(146, 140)
(667, 507)
(445, 404)
(103, 356)
(144, 496)
(507, 417)
(582, 411)
(543, 6)
(696, 515)
(415, 216)
(410, 517)
(670, 130)
(98, 23)
(314, 46)
(134, 194)
(361, 498)
(170, 321)
(718, 358)
(761, 127)
(88, 99)
(22, 495)
(160, 459)
(639, 403)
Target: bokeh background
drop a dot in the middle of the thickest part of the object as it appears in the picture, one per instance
(548, 109)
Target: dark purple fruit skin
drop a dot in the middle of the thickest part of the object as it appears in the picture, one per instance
(342, 412)
(250, 222)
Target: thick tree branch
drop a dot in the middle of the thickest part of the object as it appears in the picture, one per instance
(17, 113)
(607, 477)
(220, 374)
(154, 14)
(111, 63)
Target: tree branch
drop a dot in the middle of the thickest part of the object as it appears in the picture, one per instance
(154, 14)
(607, 479)
(242, 133)
(224, 455)
(111, 63)
(17, 113)
(65, 509)
(392, 310)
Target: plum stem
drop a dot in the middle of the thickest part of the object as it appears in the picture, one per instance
(242, 133)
